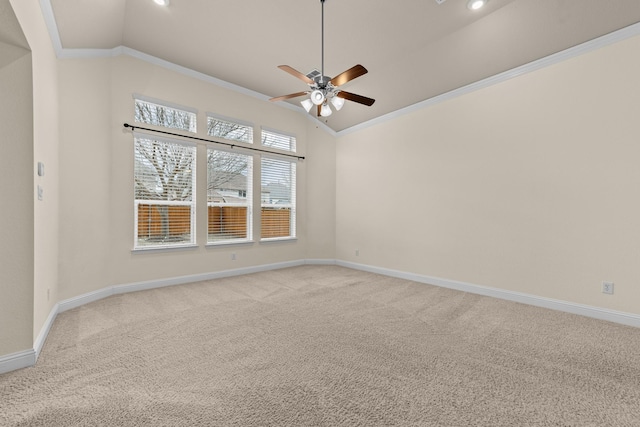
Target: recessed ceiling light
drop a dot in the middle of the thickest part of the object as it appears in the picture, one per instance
(162, 2)
(476, 4)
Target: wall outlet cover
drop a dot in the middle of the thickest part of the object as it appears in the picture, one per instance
(607, 288)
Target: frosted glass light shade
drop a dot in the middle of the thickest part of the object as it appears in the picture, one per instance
(307, 104)
(476, 4)
(325, 111)
(317, 97)
(162, 2)
(337, 102)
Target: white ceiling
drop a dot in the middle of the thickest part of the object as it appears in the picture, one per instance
(414, 49)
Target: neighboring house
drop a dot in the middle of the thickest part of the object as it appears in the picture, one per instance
(230, 188)
(275, 193)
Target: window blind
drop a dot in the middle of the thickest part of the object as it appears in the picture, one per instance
(164, 193)
(227, 129)
(278, 195)
(163, 115)
(278, 140)
(229, 196)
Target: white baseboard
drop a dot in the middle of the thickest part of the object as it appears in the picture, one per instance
(15, 361)
(153, 284)
(81, 300)
(320, 261)
(27, 358)
(44, 331)
(629, 319)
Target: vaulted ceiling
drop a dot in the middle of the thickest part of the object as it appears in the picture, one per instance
(413, 49)
(13, 44)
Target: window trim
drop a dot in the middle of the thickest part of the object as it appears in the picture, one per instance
(247, 144)
(293, 225)
(168, 105)
(164, 103)
(279, 132)
(250, 204)
(192, 203)
(230, 119)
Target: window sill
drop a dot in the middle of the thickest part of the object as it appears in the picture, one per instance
(279, 239)
(229, 243)
(164, 248)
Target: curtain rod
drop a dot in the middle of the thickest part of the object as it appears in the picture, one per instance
(127, 125)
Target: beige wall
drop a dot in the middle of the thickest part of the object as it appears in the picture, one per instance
(45, 150)
(96, 163)
(321, 193)
(16, 188)
(530, 185)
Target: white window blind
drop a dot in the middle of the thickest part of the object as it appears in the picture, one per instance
(163, 115)
(230, 130)
(278, 181)
(278, 140)
(164, 188)
(229, 196)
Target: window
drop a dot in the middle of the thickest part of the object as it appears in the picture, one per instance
(147, 111)
(278, 181)
(278, 140)
(228, 129)
(164, 188)
(229, 196)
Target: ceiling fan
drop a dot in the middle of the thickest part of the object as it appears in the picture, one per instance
(323, 89)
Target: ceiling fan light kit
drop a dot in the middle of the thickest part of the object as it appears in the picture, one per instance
(337, 102)
(307, 104)
(317, 97)
(323, 88)
(325, 111)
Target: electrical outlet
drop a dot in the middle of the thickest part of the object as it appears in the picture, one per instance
(233, 256)
(357, 252)
(607, 288)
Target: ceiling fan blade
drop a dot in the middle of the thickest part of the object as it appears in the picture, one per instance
(356, 98)
(350, 74)
(291, 95)
(296, 73)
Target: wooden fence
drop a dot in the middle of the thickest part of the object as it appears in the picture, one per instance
(276, 222)
(228, 222)
(150, 221)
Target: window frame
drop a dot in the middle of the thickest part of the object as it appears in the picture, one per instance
(192, 203)
(292, 205)
(191, 112)
(293, 140)
(249, 205)
(232, 121)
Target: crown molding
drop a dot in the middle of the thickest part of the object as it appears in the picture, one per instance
(589, 46)
(572, 52)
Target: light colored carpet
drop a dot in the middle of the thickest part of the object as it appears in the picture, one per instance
(325, 346)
